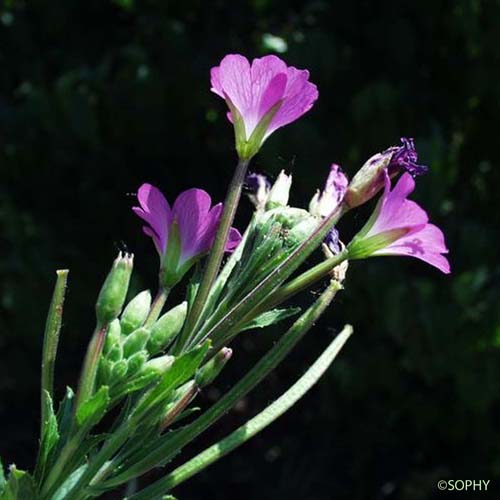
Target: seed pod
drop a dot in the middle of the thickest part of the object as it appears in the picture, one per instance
(136, 312)
(167, 328)
(114, 290)
(135, 342)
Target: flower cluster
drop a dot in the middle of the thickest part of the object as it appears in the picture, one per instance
(153, 363)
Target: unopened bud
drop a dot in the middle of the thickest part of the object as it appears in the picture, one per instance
(119, 370)
(280, 192)
(114, 290)
(135, 342)
(207, 373)
(167, 328)
(113, 337)
(136, 362)
(159, 365)
(136, 312)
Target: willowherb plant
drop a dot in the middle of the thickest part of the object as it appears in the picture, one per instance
(147, 362)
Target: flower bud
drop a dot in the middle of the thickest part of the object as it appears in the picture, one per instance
(136, 362)
(136, 312)
(116, 352)
(166, 328)
(105, 367)
(113, 338)
(207, 373)
(118, 371)
(280, 192)
(369, 179)
(158, 365)
(135, 342)
(323, 203)
(114, 290)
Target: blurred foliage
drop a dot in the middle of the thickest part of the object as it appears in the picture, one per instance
(98, 96)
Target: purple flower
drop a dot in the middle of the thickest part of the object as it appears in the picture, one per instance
(324, 203)
(184, 233)
(399, 226)
(370, 177)
(262, 97)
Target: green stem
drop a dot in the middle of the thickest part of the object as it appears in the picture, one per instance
(56, 473)
(90, 365)
(282, 294)
(275, 277)
(216, 253)
(50, 344)
(157, 306)
(303, 281)
(250, 428)
(264, 366)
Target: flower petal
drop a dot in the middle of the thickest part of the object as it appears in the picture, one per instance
(156, 211)
(298, 98)
(233, 240)
(190, 212)
(395, 211)
(426, 244)
(234, 81)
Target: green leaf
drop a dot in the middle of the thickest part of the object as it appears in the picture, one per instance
(91, 412)
(60, 494)
(270, 318)
(50, 435)
(19, 486)
(64, 416)
(250, 428)
(183, 368)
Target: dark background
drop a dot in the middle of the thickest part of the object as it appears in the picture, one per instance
(98, 96)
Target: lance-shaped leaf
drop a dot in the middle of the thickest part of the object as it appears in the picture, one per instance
(91, 412)
(50, 436)
(250, 428)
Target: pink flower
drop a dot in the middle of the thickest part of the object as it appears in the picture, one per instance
(325, 202)
(184, 233)
(399, 226)
(262, 97)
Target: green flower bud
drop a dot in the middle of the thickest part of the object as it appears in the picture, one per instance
(105, 367)
(280, 192)
(369, 179)
(135, 342)
(113, 337)
(118, 371)
(158, 365)
(207, 373)
(114, 290)
(167, 328)
(116, 352)
(136, 362)
(136, 312)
